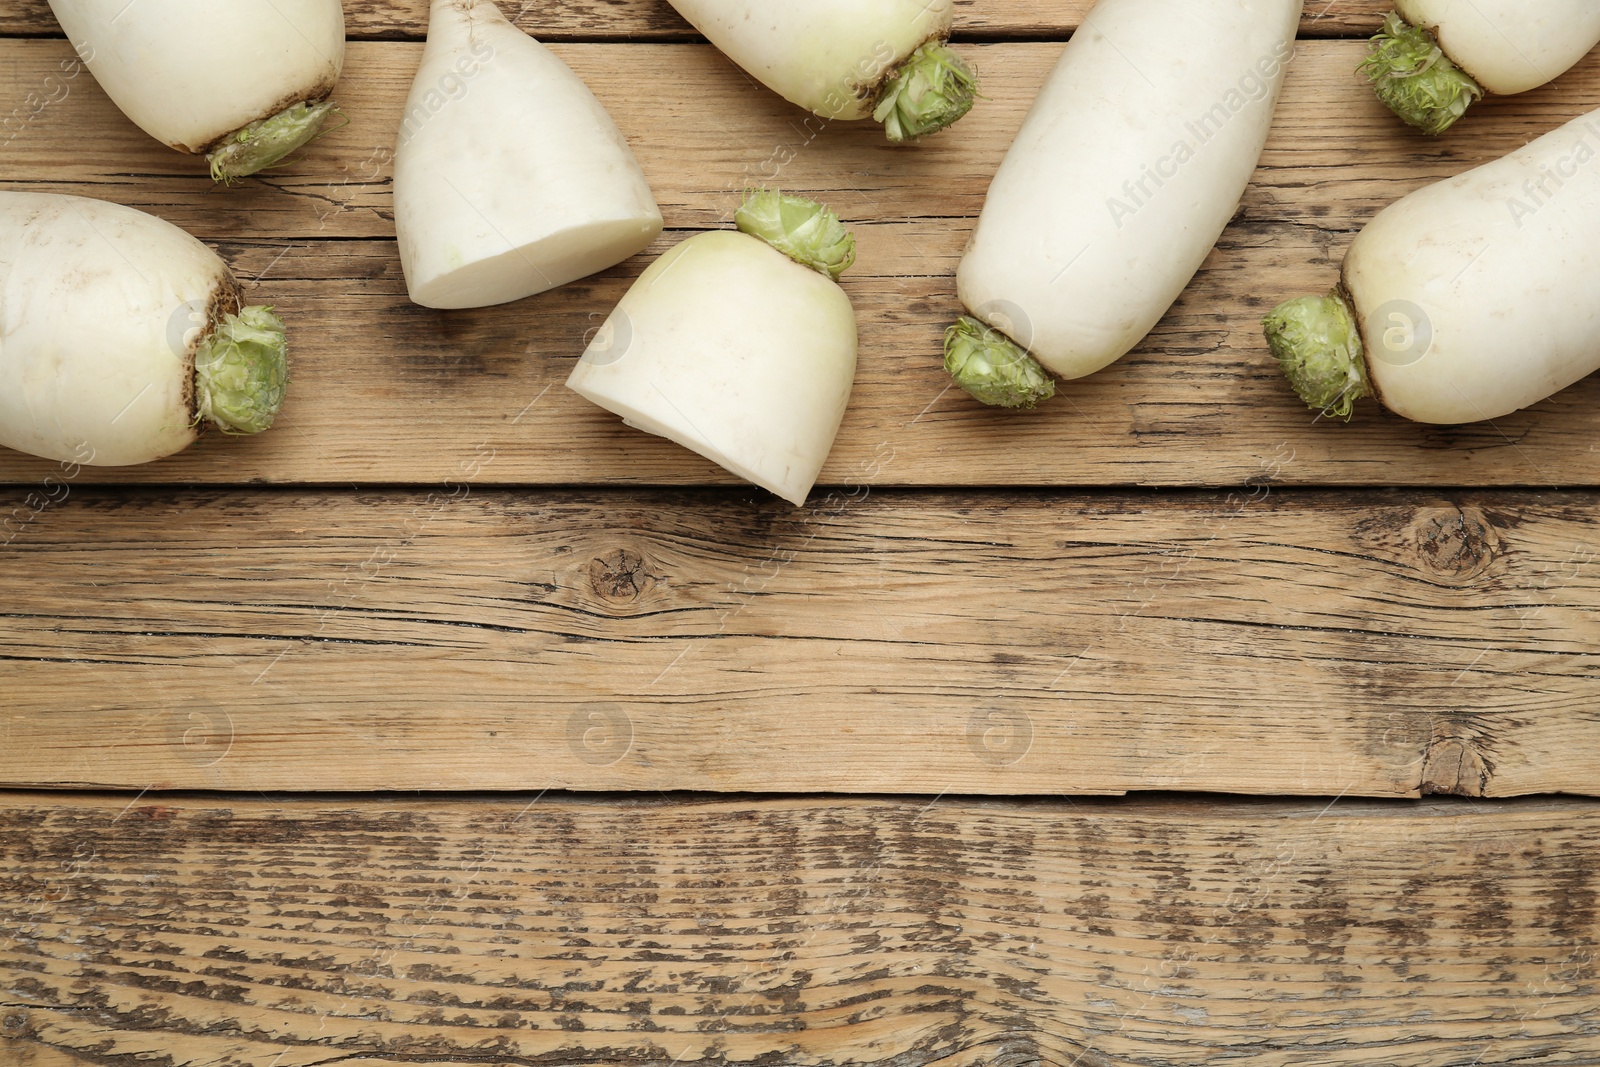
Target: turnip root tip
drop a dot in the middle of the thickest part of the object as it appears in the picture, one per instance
(1413, 76)
(931, 90)
(992, 368)
(268, 141)
(807, 232)
(1318, 345)
(241, 372)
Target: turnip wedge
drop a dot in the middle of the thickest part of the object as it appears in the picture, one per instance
(1118, 185)
(122, 337)
(1434, 59)
(510, 178)
(1467, 300)
(243, 82)
(738, 346)
(848, 59)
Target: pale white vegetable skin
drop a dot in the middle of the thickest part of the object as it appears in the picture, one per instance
(823, 55)
(191, 72)
(1509, 46)
(1504, 263)
(510, 178)
(731, 349)
(1125, 173)
(95, 364)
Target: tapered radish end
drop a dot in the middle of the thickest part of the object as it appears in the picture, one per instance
(993, 368)
(242, 371)
(1412, 75)
(932, 89)
(804, 230)
(268, 141)
(1318, 345)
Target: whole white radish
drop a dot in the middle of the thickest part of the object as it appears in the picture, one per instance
(121, 336)
(848, 59)
(1124, 174)
(1467, 300)
(243, 82)
(510, 177)
(738, 346)
(1435, 58)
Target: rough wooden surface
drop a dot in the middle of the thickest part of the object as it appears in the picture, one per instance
(1311, 643)
(543, 932)
(655, 19)
(1201, 403)
(1336, 643)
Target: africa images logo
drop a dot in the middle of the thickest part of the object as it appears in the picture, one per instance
(1253, 87)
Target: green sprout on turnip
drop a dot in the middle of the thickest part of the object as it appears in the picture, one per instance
(243, 82)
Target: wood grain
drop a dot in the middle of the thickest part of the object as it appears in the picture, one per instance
(655, 19)
(810, 933)
(1312, 644)
(1199, 404)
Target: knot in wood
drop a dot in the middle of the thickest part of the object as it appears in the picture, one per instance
(620, 576)
(13, 1024)
(1455, 543)
(1457, 761)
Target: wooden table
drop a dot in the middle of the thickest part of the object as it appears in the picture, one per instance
(396, 735)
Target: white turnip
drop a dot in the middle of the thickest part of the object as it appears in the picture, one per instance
(1467, 300)
(122, 337)
(848, 59)
(510, 178)
(243, 82)
(1125, 173)
(1434, 59)
(739, 346)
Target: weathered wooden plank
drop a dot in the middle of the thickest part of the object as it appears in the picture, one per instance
(549, 931)
(1308, 643)
(1199, 404)
(655, 19)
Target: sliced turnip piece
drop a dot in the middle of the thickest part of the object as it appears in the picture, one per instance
(739, 347)
(244, 82)
(848, 59)
(1434, 59)
(1124, 174)
(1467, 300)
(121, 337)
(510, 177)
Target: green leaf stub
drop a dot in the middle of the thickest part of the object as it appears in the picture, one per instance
(933, 89)
(267, 141)
(992, 368)
(1318, 345)
(804, 230)
(242, 372)
(1412, 75)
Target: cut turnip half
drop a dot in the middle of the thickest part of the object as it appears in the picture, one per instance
(736, 350)
(1125, 173)
(243, 82)
(848, 59)
(1468, 299)
(510, 178)
(121, 337)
